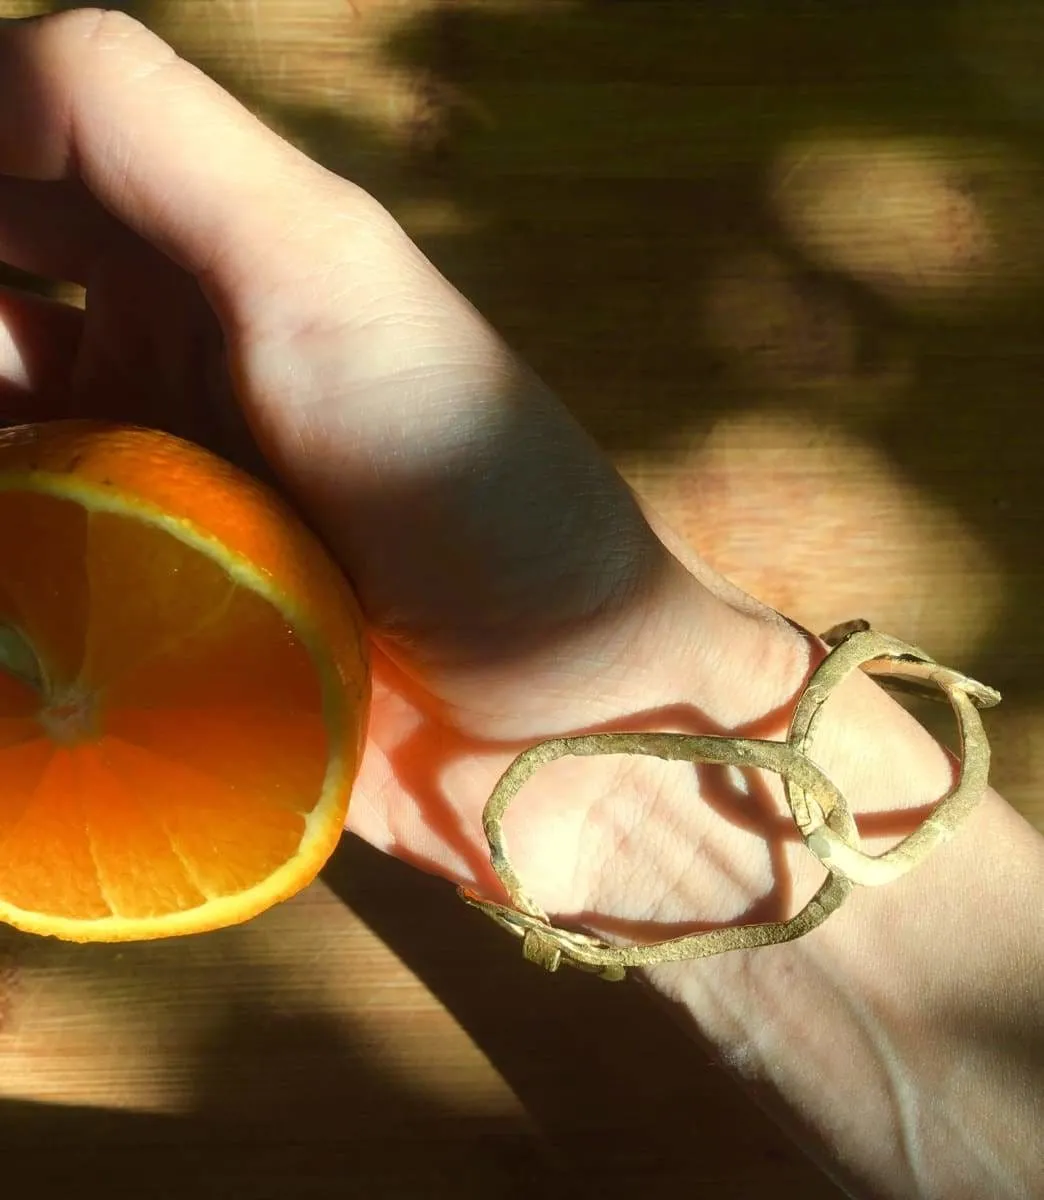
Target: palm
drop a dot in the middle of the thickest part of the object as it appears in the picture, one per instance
(430, 767)
(151, 351)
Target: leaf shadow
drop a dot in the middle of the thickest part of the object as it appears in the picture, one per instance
(318, 1116)
(620, 1092)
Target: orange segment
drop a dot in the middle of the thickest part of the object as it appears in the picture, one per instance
(43, 576)
(279, 757)
(16, 730)
(184, 688)
(18, 700)
(176, 590)
(46, 860)
(248, 656)
(18, 705)
(138, 867)
(204, 820)
(22, 769)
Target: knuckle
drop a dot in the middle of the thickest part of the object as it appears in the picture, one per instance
(103, 30)
(101, 26)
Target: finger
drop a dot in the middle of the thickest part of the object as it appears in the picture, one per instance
(38, 344)
(94, 95)
(56, 230)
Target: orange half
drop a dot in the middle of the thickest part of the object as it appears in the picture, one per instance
(184, 688)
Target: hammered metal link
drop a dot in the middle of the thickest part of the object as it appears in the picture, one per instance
(820, 813)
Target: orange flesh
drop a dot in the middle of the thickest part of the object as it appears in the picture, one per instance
(174, 742)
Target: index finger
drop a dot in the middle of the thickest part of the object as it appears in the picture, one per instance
(93, 94)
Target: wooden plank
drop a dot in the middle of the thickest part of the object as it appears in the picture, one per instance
(783, 261)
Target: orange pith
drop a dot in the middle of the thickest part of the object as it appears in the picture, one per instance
(183, 688)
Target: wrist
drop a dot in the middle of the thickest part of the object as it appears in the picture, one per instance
(695, 847)
(675, 846)
(859, 1030)
(651, 843)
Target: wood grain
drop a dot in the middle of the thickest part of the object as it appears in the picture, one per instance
(783, 260)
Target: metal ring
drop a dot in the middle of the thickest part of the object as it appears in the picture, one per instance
(884, 656)
(820, 812)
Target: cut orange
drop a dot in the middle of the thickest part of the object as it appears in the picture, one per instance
(184, 688)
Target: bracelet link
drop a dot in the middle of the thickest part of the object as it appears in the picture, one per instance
(820, 813)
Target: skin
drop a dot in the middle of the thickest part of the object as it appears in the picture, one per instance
(517, 591)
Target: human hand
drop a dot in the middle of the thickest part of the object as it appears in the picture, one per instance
(240, 295)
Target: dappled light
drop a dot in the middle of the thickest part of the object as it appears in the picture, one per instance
(177, 1007)
(922, 222)
(331, 59)
(817, 523)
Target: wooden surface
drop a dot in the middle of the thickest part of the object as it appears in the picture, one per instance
(784, 260)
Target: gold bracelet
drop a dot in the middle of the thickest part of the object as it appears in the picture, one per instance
(820, 812)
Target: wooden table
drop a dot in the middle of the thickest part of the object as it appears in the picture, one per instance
(783, 260)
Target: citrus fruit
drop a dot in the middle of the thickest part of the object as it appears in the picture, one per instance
(184, 687)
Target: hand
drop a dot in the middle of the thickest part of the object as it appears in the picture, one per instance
(240, 295)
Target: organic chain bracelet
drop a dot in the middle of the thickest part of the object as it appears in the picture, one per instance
(820, 812)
